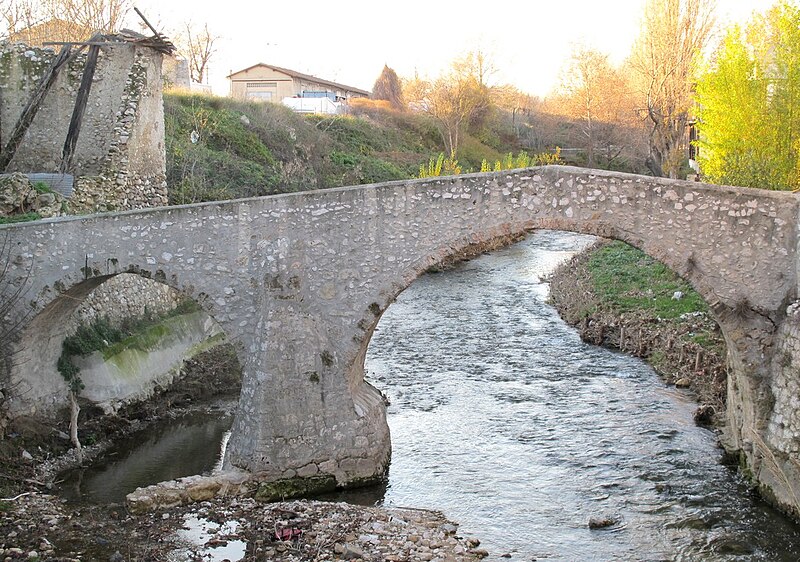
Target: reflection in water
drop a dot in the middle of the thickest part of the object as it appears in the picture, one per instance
(200, 533)
(186, 446)
(502, 418)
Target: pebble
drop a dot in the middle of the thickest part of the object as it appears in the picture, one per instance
(602, 522)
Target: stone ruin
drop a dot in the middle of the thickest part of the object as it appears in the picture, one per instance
(119, 159)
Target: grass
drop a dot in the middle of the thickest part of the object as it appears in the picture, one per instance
(628, 279)
(41, 187)
(221, 148)
(27, 217)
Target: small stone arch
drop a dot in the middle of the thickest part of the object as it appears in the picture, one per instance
(35, 387)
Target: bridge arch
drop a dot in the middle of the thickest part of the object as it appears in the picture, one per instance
(34, 384)
(448, 251)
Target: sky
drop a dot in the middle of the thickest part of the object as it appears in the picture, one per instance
(349, 42)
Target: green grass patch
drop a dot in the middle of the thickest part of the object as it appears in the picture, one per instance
(27, 217)
(41, 187)
(222, 148)
(628, 279)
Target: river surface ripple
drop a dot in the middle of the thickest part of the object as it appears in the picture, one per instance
(502, 418)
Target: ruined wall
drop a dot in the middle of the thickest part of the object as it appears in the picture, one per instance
(119, 161)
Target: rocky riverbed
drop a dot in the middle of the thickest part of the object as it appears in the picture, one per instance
(36, 524)
(42, 527)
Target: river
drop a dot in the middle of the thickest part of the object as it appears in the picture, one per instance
(502, 418)
(505, 420)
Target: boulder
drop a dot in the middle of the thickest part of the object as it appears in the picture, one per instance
(17, 195)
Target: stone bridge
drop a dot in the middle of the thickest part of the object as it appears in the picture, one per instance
(300, 281)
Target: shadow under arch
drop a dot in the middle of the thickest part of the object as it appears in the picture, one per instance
(35, 383)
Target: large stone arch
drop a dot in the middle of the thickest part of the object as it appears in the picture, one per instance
(496, 237)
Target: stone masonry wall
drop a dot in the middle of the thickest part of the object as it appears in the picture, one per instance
(119, 161)
(127, 296)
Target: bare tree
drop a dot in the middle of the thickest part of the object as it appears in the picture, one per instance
(13, 287)
(35, 22)
(455, 99)
(97, 15)
(596, 95)
(197, 46)
(20, 14)
(665, 58)
(451, 100)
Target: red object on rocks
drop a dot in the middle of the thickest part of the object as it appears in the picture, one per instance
(288, 534)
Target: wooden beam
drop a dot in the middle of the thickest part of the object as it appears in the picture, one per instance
(83, 43)
(147, 23)
(80, 107)
(32, 107)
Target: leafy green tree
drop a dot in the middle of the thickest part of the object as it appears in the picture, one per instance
(749, 104)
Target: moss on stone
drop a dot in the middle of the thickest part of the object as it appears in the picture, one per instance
(145, 340)
(366, 481)
(295, 487)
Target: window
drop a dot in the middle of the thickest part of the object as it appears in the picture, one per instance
(262, 84)
(260, 96)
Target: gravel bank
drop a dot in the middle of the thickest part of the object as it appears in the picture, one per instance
(41, 527)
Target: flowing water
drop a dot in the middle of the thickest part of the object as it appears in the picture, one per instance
(502, 418)
(505, 421)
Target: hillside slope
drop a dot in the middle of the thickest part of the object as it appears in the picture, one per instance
(220, 148)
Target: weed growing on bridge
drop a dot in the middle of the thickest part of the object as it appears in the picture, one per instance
(102, 335)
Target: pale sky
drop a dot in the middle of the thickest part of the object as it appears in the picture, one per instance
(349, 42)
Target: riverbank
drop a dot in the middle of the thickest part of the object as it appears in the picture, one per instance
(42, 527)
(618, 297)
